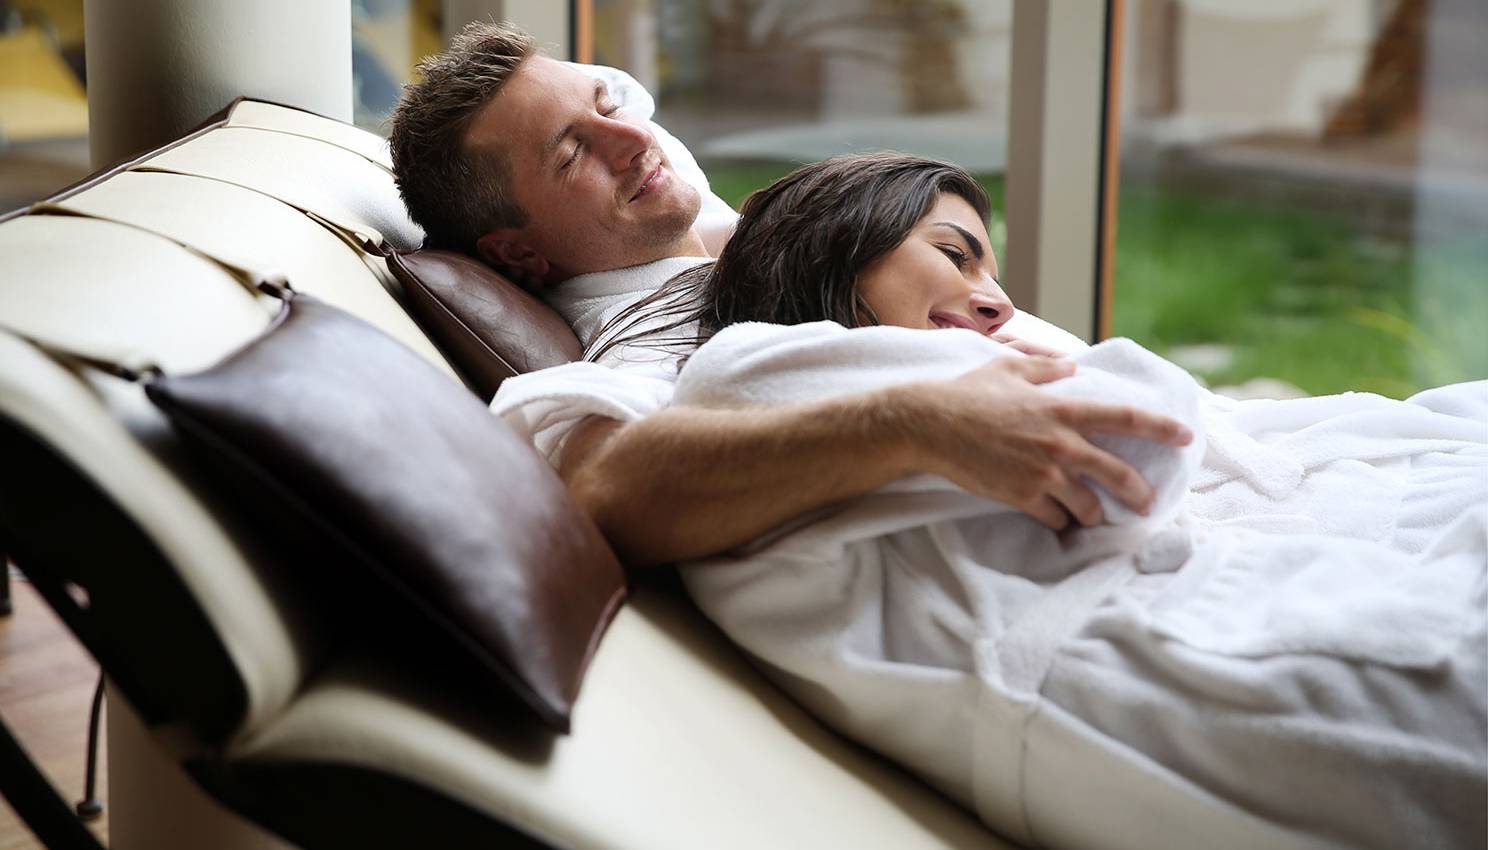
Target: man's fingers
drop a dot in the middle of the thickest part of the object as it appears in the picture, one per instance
(1032, 349)
(1117, 476)
(1091, 417)
(1049, 512)
(1042, 370)
(1080, 501)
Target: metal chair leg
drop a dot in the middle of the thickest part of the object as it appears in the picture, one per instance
(90, 807)
(6, 606)
(32, 797)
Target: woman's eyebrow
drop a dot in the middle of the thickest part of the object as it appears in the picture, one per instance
(971, 241)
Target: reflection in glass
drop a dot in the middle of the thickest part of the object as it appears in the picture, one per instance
(1304, 192)
(388, 37)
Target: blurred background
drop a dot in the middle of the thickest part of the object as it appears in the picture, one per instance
(1303, 184)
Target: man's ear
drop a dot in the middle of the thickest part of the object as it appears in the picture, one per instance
(507, 251)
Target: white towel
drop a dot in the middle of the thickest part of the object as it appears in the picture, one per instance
(628, 383)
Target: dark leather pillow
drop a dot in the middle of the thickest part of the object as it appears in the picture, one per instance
(487, 326)
(412, 487)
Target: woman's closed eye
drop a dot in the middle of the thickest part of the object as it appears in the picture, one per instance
(955, 254)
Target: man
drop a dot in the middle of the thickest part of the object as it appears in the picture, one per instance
(532, 165)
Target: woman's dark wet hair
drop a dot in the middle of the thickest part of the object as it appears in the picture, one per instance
(800, 245)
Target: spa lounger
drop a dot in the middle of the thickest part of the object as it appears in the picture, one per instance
(327, 729)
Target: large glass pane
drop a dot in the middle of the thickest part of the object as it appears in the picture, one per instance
(756, 88)
(388, 38)
(1304, 192)
(43, 104)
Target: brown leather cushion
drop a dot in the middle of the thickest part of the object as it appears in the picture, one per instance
(403, 485)
(486, 325)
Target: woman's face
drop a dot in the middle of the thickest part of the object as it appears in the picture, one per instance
(943, 275)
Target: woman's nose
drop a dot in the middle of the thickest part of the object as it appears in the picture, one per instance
(991, 306)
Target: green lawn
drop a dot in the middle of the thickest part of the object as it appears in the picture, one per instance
(1297, 295)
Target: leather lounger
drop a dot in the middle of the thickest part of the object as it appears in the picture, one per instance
(276, 702)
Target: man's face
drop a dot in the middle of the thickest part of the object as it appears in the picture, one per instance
(598, 192)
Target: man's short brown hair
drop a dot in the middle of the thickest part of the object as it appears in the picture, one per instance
(455, 194)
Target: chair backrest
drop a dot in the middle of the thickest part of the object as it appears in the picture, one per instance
(191, 613)
(204, 627)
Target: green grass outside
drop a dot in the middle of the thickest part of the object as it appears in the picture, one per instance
(1297, 295)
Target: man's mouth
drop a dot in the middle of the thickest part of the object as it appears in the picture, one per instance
(648, 182)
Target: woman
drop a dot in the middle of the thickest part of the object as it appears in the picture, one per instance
(1297, 629)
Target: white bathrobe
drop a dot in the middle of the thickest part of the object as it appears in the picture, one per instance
(1296, 630)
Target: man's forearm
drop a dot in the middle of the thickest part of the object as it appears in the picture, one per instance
(688, 482)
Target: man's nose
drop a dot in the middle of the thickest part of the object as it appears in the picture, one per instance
(620, 142)
(991, 305)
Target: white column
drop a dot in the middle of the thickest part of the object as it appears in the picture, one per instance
(1054, 150)
(156, 68)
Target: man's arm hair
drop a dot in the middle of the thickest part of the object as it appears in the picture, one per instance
(687, 482)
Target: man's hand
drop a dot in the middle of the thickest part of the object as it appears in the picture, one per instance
(1018, 343)
(994, 433)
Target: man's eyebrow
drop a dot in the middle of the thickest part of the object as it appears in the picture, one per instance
(600, 90)
(972, 241)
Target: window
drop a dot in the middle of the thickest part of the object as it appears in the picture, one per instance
(388, 38)
(1304, 192)
(43, 103)
(756, 88)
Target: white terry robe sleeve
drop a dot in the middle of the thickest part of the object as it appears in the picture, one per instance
(544, 406)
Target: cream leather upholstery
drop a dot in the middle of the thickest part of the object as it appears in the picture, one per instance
(267, 116)
(342, 187)
(243, 223)
(111, 289)
(676, 743)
